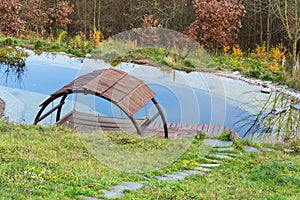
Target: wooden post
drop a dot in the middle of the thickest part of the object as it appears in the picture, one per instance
(162, 117)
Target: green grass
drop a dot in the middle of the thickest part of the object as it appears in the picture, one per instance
(53, 163)
(49, 45)
(256, 68)
(116, 52)
(271, 175)
(50, 163)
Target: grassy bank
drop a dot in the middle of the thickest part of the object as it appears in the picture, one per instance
(52, 163)
(271, 175)
(258, 63)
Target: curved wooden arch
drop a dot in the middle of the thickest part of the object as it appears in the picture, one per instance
(129, 101)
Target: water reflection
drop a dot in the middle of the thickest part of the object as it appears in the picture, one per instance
(12, 64)
(278, 119)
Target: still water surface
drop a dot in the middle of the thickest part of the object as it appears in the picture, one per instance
(185, 97)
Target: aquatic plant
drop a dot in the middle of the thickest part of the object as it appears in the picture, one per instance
(12, 64)
(277, 119)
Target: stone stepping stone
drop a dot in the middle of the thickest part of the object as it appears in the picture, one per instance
(132, 185)
(212, 160)
(252, 149)
(203, 169)
(91, 198)
(174, 177)
(182, 174)
(110, 195)
(209, 165)
(224, 149)
(226, 154)
(170, 177)
(269, 149)
(161, 178)
(217, 143)
(222, 156)
(117, 191)
(194, 172)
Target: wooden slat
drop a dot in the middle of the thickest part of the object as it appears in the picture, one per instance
(210, 129)
(94, 120)
(89, 122)
(126, 91)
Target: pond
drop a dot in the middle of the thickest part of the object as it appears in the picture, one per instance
(190, 98)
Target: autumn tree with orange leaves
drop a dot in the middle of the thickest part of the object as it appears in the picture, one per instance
(217, 22)
(10, 21)
(17, 16)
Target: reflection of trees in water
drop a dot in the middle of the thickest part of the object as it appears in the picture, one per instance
(278, 118)
(12, 64)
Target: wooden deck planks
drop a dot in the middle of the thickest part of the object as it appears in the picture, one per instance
(188, 129)
(90, 122)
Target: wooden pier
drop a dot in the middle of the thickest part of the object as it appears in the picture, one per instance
(175, 130)
(84, 122)
(130, 95)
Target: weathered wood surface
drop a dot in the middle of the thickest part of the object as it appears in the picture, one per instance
(89, 122)
(126, 91)
(175, 130)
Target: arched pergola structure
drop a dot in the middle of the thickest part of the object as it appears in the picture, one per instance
(125, 91)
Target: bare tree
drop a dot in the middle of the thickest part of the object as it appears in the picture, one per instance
(288, 11)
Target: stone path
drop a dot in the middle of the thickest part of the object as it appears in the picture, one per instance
(221, 150)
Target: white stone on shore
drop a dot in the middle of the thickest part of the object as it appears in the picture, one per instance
(266, 90)
(296, 106)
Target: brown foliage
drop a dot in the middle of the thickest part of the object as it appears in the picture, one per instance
(217, 22)
(10, 21)
(34, 16)
(16, 16)
(58, 15)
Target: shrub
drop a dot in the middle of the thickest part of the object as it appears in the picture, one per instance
(260, 52)
(239, 144)
(224, 135)
(295, 145)
(255, 73)
(75, 52)
(201, 135)
(55, 47)
(61, 36)
(266, 76)
(38, 44)
(8, 41)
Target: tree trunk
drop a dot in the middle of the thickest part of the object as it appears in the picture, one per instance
(95, 10)
(269, 26)
(99, 15)
(85, 18)
(261, 23)
(295, 60)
